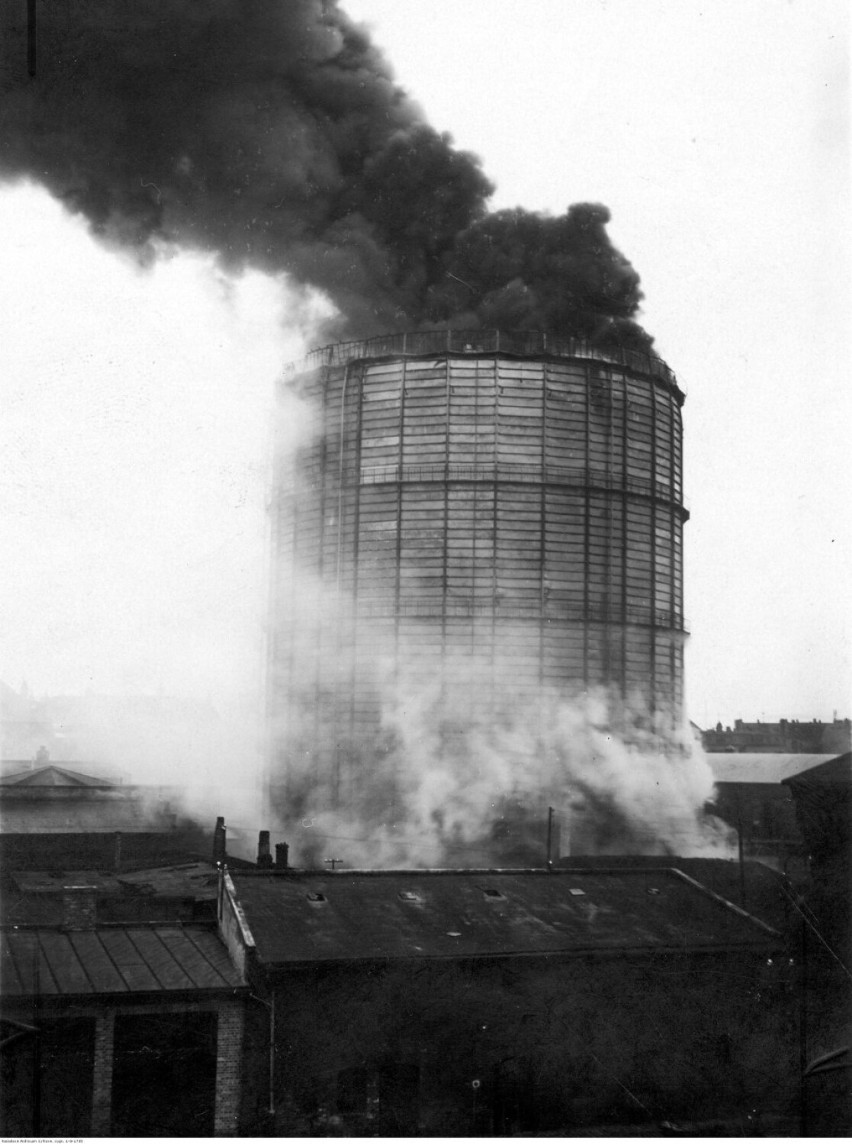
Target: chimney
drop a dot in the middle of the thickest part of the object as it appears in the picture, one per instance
(79, 907)
(264, 858)
(282, 856)
(219, 842)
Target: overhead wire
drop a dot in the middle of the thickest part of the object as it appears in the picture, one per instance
(812, 925)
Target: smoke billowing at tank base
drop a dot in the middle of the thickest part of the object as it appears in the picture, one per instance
(461, 767)
(274, 135)
(478, 609)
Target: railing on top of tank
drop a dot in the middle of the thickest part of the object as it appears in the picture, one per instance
(523, 343)
(520, 472)
(496, 605)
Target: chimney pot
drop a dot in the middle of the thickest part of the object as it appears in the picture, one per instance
(219, 841)
(264, 858)
(79, 908)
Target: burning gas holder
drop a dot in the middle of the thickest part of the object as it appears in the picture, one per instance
(274, 136)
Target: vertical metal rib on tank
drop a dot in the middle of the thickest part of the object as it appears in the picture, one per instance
(508, 505)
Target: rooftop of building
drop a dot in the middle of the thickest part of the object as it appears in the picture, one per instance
(53, 776)
(761, 767)
(118, 959)
(836, 771)
(766, 895)
(301, 917)
(786, 736)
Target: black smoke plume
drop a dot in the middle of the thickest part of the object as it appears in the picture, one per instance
(271, 132)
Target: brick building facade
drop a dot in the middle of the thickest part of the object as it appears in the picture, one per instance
(121, 1028)
(497, 1003)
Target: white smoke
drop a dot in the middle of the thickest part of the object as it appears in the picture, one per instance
(451, 749)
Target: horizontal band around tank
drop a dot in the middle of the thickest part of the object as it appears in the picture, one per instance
(506, 471)
(525, 343)
(432, 610)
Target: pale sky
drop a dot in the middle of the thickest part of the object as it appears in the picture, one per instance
(136, 405)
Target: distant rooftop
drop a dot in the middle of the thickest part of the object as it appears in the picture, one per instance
(834, 771)
(759, 767)
(54, 776)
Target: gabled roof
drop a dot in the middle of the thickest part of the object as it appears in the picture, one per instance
(759, 767)
(53, 776)
(113, 959)
(359, 915)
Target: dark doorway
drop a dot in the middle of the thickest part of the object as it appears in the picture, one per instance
(47, 1079)
(164, 1075)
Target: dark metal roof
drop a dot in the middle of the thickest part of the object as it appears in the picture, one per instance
(724, 876)
(113, 959)
(302, 917)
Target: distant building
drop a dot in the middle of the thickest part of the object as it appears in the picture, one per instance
(788, 736)
(53, 816)
(102, 733)
(751, 798)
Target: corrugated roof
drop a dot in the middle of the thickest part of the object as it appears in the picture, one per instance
(359, 915)
(758, 767)
(113, 959)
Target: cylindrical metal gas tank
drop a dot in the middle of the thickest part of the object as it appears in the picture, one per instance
(474, 506)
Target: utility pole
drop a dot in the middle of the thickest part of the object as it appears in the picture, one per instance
(550, 838)
(37, 1054)
(32, 42)
(740, 851)
(803, 1031)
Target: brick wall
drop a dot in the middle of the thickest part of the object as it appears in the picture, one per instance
(102, 1079)
(79, 907)
(229, 1038)
(228, 1061)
